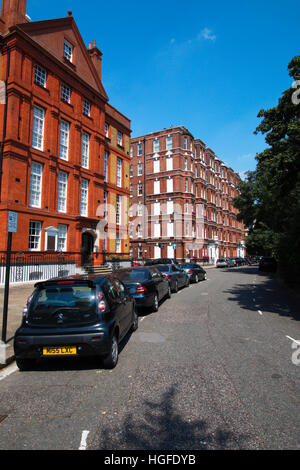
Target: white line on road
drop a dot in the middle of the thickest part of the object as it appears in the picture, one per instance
(83, 444)
(260, 312)
(8, 370)
(292, 339)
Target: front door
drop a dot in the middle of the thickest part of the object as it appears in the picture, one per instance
(87, 246)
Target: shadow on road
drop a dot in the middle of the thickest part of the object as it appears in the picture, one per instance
(160, 426)
(269, 294)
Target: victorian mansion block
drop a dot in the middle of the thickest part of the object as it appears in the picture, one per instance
(64, 154)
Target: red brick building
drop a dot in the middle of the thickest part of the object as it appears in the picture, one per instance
(180, 199)
(64, 154)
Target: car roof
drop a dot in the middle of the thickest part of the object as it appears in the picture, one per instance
(76, 278)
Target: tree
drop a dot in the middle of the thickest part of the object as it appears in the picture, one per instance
(269, 200)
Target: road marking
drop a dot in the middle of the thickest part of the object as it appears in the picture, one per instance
(83, 444)
(292, 339)
(8, 370)
(260, 312)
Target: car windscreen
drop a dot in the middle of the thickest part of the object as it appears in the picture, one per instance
(137, 275)
(185, 265)
(63, 304)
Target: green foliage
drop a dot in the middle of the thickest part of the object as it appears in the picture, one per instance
(269, 200)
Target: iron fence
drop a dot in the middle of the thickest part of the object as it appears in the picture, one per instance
(26, 267)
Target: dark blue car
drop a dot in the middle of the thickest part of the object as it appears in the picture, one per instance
(74, 317)
(146, 284)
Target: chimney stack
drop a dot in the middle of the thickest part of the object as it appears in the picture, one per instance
(96, 56)
(12, 12)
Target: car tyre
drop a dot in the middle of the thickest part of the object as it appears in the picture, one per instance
(155, 303)
(135, 323)
(111, 360)
(25, 364)
(196, 278)
(187, 284)
(169, 292)
(176, 287)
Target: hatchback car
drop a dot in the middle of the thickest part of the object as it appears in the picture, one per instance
(146, 284)
(223, 263)
(177, 277)
(74, 317)
(195, 272)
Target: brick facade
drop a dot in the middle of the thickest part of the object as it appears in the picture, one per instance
(180, 200)
(54, 122)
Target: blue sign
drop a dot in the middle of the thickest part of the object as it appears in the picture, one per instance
(174, 246)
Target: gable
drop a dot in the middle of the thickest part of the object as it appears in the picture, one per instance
(51, 35)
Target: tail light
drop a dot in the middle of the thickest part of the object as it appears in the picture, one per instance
(101, 303)
(168, 276)
(141, 289)
(25, 309)
(190, 272)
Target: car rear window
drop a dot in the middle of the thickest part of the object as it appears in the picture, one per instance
(163, 268)
(65, 304)
(135, 275)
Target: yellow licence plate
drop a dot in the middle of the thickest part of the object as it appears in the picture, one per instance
(59, 351)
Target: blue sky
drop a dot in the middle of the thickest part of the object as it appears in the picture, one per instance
(208, 66)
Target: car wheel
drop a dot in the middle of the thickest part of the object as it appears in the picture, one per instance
(135, 323)
(196, 278)
(155, 303)
(110, 361)
(169, 292)
(176, 287)
(205, 277)
(187, 282)
(25, 364)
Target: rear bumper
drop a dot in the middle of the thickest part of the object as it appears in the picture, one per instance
(142, 300)
(90, 344)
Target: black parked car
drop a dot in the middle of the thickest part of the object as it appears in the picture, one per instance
(195, 272)
(146, 284)
(238, 261)
(177, 277)
(75, 316)
(151, 262)
(268, 264)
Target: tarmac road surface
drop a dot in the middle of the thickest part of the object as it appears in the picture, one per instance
(217, 367)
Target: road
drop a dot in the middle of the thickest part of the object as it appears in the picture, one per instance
(216, 367)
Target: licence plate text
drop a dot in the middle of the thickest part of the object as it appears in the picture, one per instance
(59, 351)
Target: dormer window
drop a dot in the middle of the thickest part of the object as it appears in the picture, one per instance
(68, 51)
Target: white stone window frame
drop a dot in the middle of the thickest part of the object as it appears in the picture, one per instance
(35, 230)
(64, 137)
(85, 149)
(65, 93)
(40, 76)
(36, 180)
(68, 50)
(84, 195)
(62, 191)
(38, 124)
(86, 107)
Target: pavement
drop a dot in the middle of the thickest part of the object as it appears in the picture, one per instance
(18, 295)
